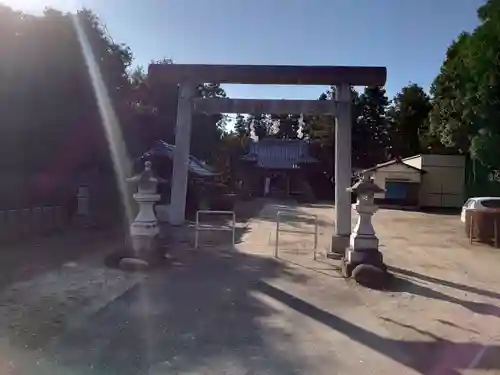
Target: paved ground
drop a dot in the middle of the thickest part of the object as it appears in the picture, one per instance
(240, 311)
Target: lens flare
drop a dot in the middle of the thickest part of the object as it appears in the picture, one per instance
(117, 148)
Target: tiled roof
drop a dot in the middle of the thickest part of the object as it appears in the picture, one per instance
(196, 166)
(279, 154)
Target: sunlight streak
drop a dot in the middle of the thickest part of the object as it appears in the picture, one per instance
(122, 167)
(116, 143)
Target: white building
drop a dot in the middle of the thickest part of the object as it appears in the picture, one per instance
(422, 180)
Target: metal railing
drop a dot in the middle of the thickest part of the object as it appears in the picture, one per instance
(199, 228)
(296, 214)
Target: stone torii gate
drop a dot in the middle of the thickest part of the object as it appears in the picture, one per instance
(187, 76)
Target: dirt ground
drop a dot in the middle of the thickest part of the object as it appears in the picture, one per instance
(441, 314)
(224, 310)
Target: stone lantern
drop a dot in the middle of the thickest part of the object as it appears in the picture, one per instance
(363, 260)
(144, 230)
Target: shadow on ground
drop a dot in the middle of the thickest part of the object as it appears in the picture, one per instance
(434, 357)
(200, 317)
(401, 282)
(209, 313)
(206, 315)
(447, 283)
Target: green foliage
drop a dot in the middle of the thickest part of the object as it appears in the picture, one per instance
(48, 105)
(241, 126)
(370, 141)
(451, 118)
(287, 126)
(227, 159)
(466, 93)
(260, 124)
(320, 131)
(408, 120)
(485, 147)
(47, 102)
(155, 116)
(138, 76)
(374, 142)
(207, 130)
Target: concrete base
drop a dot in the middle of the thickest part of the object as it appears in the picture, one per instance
(144, 244)
(339, 246)
(366, 267)
(133, 264)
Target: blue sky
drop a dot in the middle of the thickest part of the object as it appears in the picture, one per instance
(409, 37)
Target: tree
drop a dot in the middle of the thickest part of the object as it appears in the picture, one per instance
(320, 128)
(449, 119)
(53, 125)
(207, 129)
(155, 110)
(260, 124)
(466, 93)
(321, 132)
(373, 123)
(138, 76)
(227, 159)
(361, 156)
(156, 115)
(288, 126)
(408, 120)
(241, 126)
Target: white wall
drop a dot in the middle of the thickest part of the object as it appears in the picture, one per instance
(414, 161)
(444, 180)
(394, 171)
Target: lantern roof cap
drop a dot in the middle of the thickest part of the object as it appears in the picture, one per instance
(365, 185)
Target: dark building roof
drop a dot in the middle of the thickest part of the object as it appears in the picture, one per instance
(279, 154)
(196, 166)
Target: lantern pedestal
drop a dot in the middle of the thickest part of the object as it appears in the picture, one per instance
(144, 231)
(363, 261)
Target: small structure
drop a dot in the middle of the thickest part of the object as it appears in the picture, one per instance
(144, 230)
(196, 167)
(400, 180)
(277, 166)
(363, 260)
(200, 175)
(421, 181)
(443, 183)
